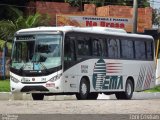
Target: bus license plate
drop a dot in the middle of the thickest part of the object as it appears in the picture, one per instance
(25, 80)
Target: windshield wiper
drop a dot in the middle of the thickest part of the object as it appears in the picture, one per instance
(22, 68)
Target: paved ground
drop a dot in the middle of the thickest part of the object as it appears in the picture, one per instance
(68, 108)
(81, 107)
(21, 107)
(136, 96)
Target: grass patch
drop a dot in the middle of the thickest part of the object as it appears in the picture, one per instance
(4, 86)
(155, 89)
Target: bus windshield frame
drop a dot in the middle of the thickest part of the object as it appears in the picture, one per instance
(38, 52)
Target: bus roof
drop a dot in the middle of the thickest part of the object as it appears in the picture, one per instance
(97, 30)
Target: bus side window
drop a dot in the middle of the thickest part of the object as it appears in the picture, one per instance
(96, 47)
(113, 48)
(69, 52)
(83, 47)
(103, 47)
(127, 49)
(149, 50)
(140, 50)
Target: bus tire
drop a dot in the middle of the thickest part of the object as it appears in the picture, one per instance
(84, 90)
(93, 96)
(37, 96)
(127, 94)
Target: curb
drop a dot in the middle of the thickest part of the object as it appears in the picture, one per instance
(23, 96)
(5, 95)
(136, 96)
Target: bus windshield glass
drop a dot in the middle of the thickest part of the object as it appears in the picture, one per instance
(37, 52)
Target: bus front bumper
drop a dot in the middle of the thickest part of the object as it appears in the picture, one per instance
(47, 87)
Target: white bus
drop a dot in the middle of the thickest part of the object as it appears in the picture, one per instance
(81, 61)
(158, 63)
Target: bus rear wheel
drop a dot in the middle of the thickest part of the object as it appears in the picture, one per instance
(127, 94)
(37, 96)
(84, 89)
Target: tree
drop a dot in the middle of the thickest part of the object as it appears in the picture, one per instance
(9, 27)
(142, 3)
(6, 12)
(75, 3)
(156, 17)
(19, 21)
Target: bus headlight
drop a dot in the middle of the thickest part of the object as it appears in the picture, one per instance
(14, 79)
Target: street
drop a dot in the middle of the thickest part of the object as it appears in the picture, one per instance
(151, 106)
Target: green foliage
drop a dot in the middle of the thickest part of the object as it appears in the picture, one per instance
(9, 45)
(75, 3)
(9, 12)
(17, 22)
(156, 17)
(155, 89)
(9, 27)
(141, 3)
(4, 86)
(14, 12)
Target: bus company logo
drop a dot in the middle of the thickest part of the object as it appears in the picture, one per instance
(101, 81)
(99, 74)
(33, 79)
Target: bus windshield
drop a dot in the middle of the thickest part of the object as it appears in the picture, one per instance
(37, 52)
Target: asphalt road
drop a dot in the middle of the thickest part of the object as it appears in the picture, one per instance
(81, 107)
(80, 110)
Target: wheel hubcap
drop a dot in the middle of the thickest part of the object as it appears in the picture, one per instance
(129, 90)
(84, 88)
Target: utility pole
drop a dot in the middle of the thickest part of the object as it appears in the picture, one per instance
(135, 15)
(81, 6)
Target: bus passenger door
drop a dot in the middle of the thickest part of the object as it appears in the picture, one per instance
(69, 61)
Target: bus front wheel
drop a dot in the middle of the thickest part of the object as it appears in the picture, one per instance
(127, 94)
(83, 90)
(37, 96)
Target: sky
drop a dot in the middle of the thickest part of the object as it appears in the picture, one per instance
(155, 3)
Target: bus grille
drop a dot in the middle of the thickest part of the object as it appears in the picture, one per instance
(33, 88)
(32, 82)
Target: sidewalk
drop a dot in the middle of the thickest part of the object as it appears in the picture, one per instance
(136, 96)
